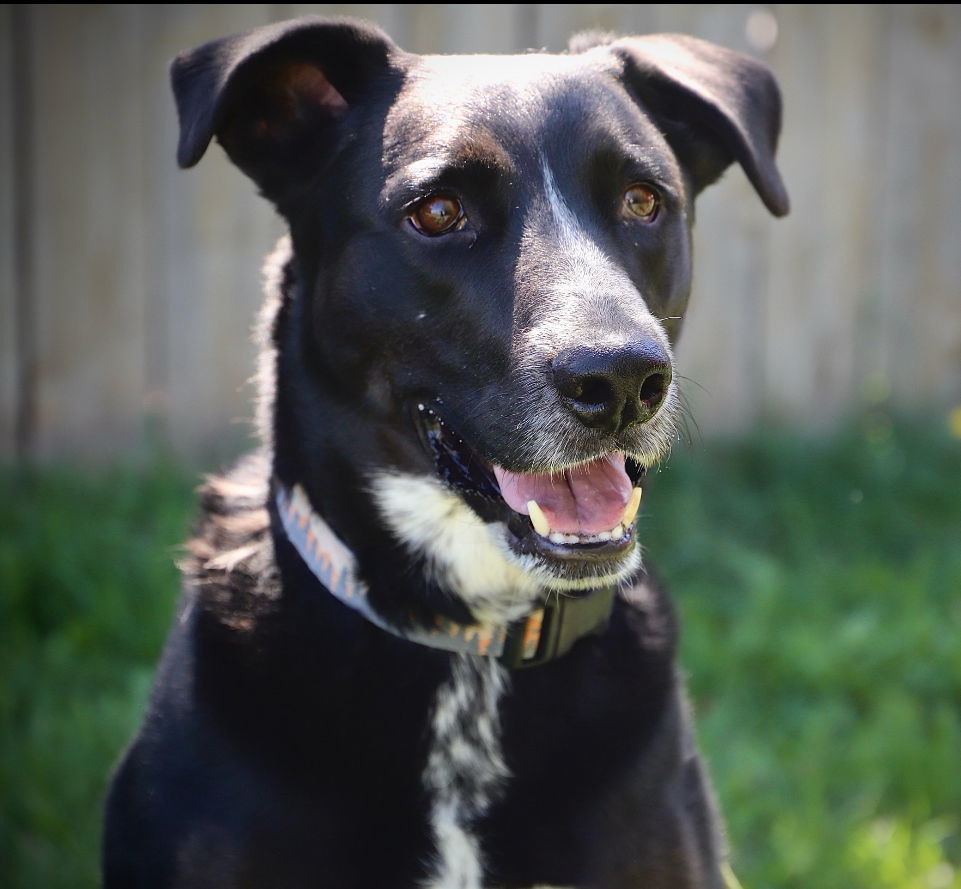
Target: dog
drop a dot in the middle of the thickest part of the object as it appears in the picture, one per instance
(416, 646)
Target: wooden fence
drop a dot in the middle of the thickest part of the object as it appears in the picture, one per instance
(127, 287)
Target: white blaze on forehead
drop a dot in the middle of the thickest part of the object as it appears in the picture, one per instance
(583, 268)
(585, 297)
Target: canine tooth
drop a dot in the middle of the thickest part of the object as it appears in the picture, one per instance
(538, 519)
(557, 537)
(617, 532)
(632, 507)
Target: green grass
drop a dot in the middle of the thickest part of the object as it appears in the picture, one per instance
(87, 583)
(820, 589)
(820, 586)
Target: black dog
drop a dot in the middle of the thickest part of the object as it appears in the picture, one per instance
(416, 647)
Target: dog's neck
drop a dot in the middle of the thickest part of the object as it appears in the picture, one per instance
(548, 632)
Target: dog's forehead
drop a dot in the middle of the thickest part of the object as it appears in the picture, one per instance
(514, 101)
(456, 79)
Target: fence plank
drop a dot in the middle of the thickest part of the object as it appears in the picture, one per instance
(10, 383)
(209, 232)
(470, 28)
(557, 23)
(919, 353)
(819, 258)
(88, 229)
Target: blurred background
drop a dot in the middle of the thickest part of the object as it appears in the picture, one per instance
(127, 287)
(809, 523)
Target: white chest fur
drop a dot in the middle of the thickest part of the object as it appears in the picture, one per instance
(465, 766)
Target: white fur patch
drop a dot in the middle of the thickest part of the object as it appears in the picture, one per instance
(465, 767)
(466, 556)
(583, 267)
(469, 557)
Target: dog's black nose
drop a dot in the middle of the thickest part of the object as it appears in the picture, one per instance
(612, 389)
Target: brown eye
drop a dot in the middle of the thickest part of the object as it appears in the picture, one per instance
(642, 201)
(438, 215)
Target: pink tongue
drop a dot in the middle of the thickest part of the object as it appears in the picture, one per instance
(587, 499)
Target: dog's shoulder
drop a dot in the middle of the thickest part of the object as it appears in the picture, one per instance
(230, 565)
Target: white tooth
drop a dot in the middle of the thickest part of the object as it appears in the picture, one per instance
(632, 507)
(557, 537)
(572, 538)
(617, 532)
(538, 519)
(604, 535)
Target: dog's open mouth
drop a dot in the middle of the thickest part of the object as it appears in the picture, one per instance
(584, 512)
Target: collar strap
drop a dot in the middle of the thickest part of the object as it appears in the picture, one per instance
(544, 635)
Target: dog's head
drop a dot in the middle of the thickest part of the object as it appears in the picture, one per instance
(490, 263)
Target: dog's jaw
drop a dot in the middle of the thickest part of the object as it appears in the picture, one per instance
(473, 559)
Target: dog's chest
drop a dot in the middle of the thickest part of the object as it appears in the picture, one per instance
(465, 772)
(465, 767)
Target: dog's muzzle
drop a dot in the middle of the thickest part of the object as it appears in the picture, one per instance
(584, 513)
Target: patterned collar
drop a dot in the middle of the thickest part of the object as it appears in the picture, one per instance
(542, 636)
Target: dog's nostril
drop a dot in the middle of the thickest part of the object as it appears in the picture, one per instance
(654, 388)
(593, 391)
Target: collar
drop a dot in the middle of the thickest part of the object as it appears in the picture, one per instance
(542, 636)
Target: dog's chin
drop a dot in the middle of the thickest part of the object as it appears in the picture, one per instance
(498, 575)
(471, 523)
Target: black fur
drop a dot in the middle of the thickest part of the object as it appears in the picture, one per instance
(286, 737)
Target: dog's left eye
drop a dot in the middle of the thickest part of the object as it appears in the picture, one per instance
(642, 201)
(438, 214)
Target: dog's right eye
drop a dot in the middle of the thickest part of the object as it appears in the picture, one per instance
(438, 214)
(642, 201)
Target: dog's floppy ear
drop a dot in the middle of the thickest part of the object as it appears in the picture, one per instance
(715, 106)
(273, 96)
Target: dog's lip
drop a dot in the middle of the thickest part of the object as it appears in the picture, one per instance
(526, 541)
(456, 463)
(480, 482)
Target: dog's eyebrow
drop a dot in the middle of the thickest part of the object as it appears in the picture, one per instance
(645, 158)
(481, 151)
